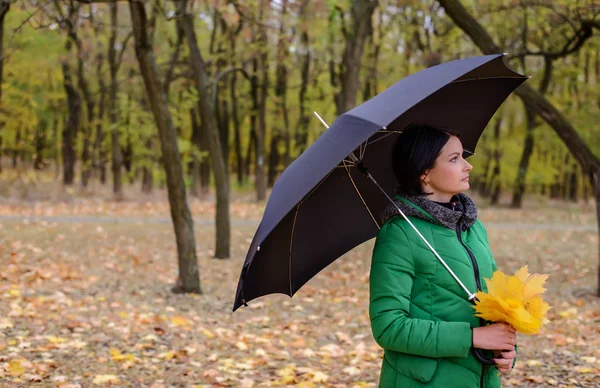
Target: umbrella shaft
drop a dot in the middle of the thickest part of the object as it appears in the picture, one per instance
(366, 172)
(370, 177)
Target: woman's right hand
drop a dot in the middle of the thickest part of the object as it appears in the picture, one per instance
(497, 336)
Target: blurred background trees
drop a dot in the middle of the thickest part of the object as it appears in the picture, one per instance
(218, 94)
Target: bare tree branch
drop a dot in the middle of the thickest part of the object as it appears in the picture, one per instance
(21, 25)
(572, 46)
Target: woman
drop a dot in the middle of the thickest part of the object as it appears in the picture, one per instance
(419, 314)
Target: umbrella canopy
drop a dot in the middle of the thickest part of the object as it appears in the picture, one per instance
(323, 205)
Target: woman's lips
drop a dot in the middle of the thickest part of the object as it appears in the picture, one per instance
(465, 179)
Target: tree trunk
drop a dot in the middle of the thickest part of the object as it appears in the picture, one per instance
(304, 51)
(361, 14)
(520, 183)
(484, 183)
(274, 159)
(251, 151)
(147, 175)
(86, 130)
(573, 183)
(221, 105)
(495, 179)
(86, 163)
(71, 127)
(239, 158)
(99, 152)
(195, 168)
(204, 163)
(261, 65)
(589, 163)
(113, 113)
(517, 199)
(189, 278)
(209, 124)
(280, 128)
(15, 150)
(40, 144)
(595, 182)
(4, 7)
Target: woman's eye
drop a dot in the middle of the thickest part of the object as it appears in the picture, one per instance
(454, 159)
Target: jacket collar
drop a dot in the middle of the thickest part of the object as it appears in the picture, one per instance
(464, 215)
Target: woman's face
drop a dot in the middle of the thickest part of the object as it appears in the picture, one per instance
(449, 174)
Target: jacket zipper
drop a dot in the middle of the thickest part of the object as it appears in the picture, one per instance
(477, 282)
(472, 257)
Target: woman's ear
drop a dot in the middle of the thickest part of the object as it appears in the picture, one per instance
(424, 178)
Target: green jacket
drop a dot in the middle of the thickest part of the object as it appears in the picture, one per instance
(419, 314)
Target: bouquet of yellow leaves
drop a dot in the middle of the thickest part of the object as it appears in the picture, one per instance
(516, 300)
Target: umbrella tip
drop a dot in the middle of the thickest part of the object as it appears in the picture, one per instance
(504, 53)
(529, 76)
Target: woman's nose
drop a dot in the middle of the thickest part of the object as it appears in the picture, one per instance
(468, 167)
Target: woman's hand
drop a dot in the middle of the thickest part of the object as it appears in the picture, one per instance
(497, 336)
(505, 363)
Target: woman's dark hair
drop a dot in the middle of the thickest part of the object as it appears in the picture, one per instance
(415, 151)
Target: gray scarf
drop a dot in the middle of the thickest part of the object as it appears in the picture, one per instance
(464, 215)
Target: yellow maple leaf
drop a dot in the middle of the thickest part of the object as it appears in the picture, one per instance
(118, 356)
(15, 368)
(537, 307)
(516, 300)
(533, 283)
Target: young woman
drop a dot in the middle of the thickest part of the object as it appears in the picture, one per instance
(419, 314)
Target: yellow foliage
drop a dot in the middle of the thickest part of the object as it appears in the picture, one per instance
(516, 300)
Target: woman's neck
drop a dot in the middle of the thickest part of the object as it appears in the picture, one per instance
(437, 197)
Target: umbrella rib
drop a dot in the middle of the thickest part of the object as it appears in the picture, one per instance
(291, 243)
(485, 78)
(361, 197)
(387, 133)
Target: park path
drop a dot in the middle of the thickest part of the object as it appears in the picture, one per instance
(92, 219)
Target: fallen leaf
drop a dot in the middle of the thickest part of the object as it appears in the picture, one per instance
(15, 368)
(569, 313)
(180, 321)
(584, 369)
(116, 355)
(319, 377)
(106, 379)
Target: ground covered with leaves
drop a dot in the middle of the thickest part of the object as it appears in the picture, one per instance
(87, 302)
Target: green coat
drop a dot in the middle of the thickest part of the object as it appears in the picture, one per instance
(419, 314)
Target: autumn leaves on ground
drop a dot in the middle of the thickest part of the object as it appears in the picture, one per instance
(85, 301)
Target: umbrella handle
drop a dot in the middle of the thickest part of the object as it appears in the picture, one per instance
(481, 358)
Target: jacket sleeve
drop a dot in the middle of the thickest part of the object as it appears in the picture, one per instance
(391, 281)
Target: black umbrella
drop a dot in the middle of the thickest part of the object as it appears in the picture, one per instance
(325, 202)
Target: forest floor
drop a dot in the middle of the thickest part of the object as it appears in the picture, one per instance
(85, 301)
